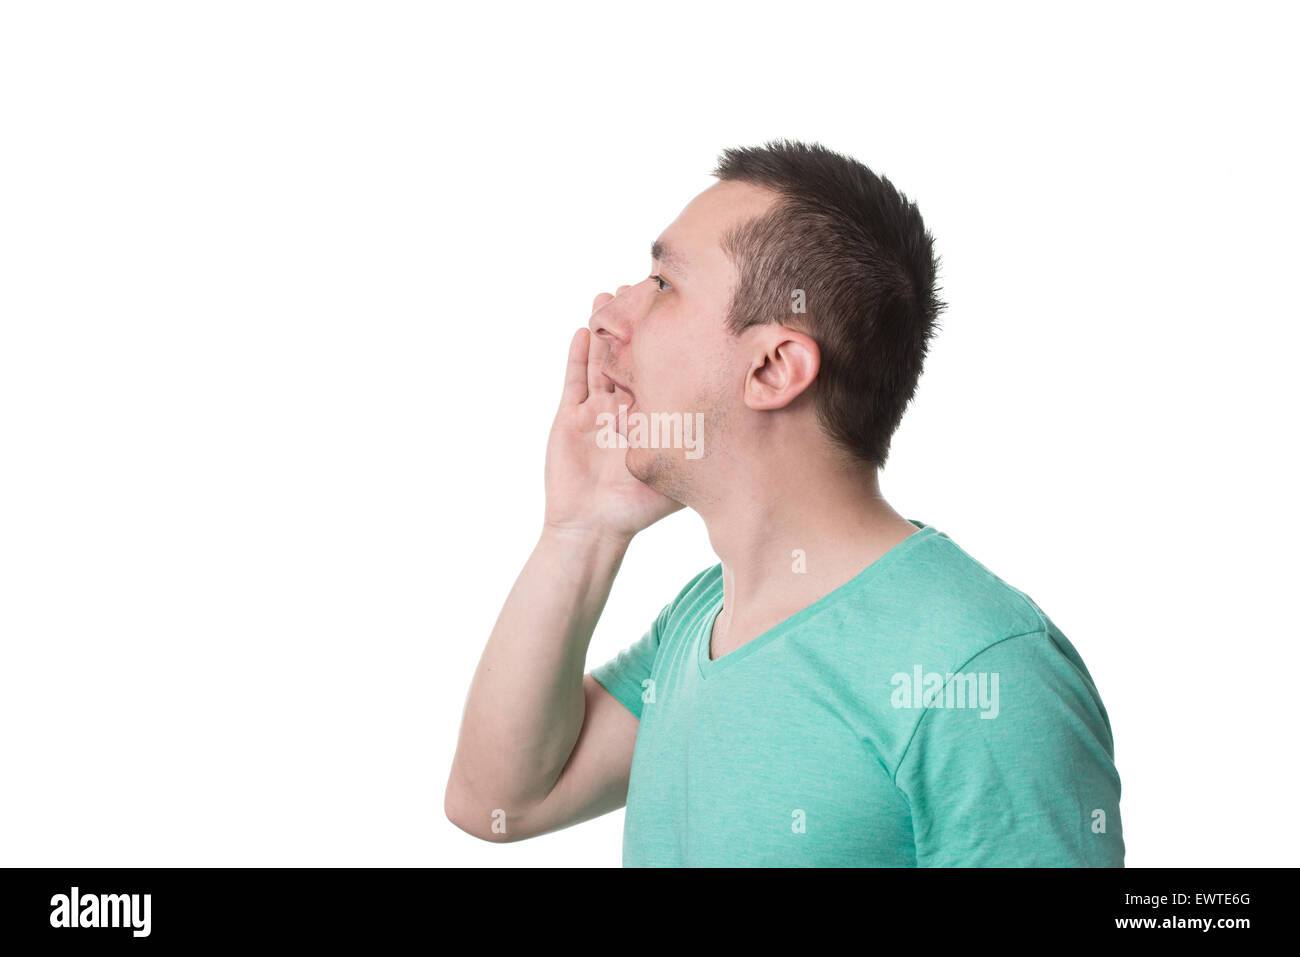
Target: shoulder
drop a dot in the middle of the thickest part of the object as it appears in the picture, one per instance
(983, 634)
(966, 608)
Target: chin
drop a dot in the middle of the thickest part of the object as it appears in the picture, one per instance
(647, 464)
(642, 464)
(658, 469)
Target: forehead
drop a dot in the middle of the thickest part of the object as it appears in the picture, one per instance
(694, 237)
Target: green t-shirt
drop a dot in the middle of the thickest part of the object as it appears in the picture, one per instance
(924, 713)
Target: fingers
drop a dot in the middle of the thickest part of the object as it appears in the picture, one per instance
(575, 370)
(604, 298)
(596, 382)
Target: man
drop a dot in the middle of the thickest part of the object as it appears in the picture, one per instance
(846, 687)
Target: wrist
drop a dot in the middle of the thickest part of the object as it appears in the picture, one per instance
(585, 536)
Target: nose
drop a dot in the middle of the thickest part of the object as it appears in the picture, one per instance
(615, 319)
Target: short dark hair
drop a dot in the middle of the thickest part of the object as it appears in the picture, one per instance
(865, 262)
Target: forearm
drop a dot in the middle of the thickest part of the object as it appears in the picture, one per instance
(525, 705)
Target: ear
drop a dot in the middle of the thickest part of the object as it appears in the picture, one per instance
(784, 365)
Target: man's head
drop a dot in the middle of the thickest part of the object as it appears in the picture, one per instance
(792, 303)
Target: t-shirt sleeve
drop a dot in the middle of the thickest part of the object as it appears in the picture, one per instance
(625, 675)
(1027, 777)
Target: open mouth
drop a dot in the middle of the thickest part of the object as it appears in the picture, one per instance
(624, 394)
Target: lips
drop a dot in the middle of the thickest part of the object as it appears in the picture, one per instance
(620, 387)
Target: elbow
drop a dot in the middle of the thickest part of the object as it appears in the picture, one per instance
(477, 820)
(459, 811)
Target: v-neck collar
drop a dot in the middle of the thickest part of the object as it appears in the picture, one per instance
(710, 666)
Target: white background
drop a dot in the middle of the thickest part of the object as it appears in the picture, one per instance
(285, 294)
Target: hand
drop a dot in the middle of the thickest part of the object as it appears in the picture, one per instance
(588, 488)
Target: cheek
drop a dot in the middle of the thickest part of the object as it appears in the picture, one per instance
(720, 386)
(682, 372)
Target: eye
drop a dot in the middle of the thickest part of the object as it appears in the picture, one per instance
(663, 283)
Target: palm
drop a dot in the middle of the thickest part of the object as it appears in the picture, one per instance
(588, 486)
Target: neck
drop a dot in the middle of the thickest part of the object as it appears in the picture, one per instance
(789, 533)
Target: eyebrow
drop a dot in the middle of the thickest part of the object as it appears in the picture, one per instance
(662, 252)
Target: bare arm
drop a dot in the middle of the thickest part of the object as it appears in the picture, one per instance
(539, 749)
(543, 746)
